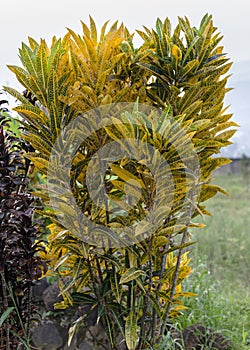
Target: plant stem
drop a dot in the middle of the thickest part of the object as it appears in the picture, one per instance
(163, 266)
(99, 269)
(178, 262)
(93, 279)
(147, 298)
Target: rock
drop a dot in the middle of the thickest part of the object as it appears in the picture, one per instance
(197, 336)
(92, 315)
(85, 346)
(194, 336)
(220, 342)
(51, 296)
(47, 337)
(39, 288)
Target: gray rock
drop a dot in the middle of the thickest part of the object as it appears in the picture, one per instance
(85, 346)
(92, 315)
(39, 288)
(51, 296)
(47, 337)
(199, 337)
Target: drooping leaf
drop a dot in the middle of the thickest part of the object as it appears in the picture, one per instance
(131, 274)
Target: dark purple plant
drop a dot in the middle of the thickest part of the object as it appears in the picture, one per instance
(20, 264)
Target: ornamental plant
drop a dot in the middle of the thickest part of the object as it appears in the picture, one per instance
(20, 264)
(126, 137)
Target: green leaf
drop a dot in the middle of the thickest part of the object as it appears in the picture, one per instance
(5, 315)
(28, 59)
(54, 55)
(42, 67)
(83, 298)
(160, 241)
(181, 246)
(116, 288)
(131, 331)
(118, 319)
(23, 341)
(131, 274)
(190, 67)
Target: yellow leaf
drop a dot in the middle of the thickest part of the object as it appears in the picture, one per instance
(176, 52)
(160, 241)
(125, 175)
(131, 331)
(197, 225)
(131, 274)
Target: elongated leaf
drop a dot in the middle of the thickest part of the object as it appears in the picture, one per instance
(180, 246)
(116, 288)
(42, 67)
(93, 30)
(73, 329)
(61, 261)
(28, 59)
(125, 174)
(54, 56)
(160, 241)
(131, 331)
(34, 115)
(131, 274)
(5, 315)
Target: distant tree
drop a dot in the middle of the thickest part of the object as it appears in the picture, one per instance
(245, 169)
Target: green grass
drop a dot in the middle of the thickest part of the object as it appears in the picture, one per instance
(221, 263)
(226, 240)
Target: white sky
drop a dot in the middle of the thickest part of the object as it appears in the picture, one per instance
(45, 18)
(20, 19)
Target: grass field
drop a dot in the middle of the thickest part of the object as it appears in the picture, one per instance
(221, 263)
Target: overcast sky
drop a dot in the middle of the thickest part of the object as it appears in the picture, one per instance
(45, 18)
(20, 19)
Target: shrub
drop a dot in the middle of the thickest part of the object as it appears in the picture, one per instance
(19, 264)
(125, 180)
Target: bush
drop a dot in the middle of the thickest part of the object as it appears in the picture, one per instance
(127, 138)
(19, 264)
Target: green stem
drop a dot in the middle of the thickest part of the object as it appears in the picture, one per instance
(155, 315)
(93, 279)
(147, 297)
(178, 263)
(17, 309)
